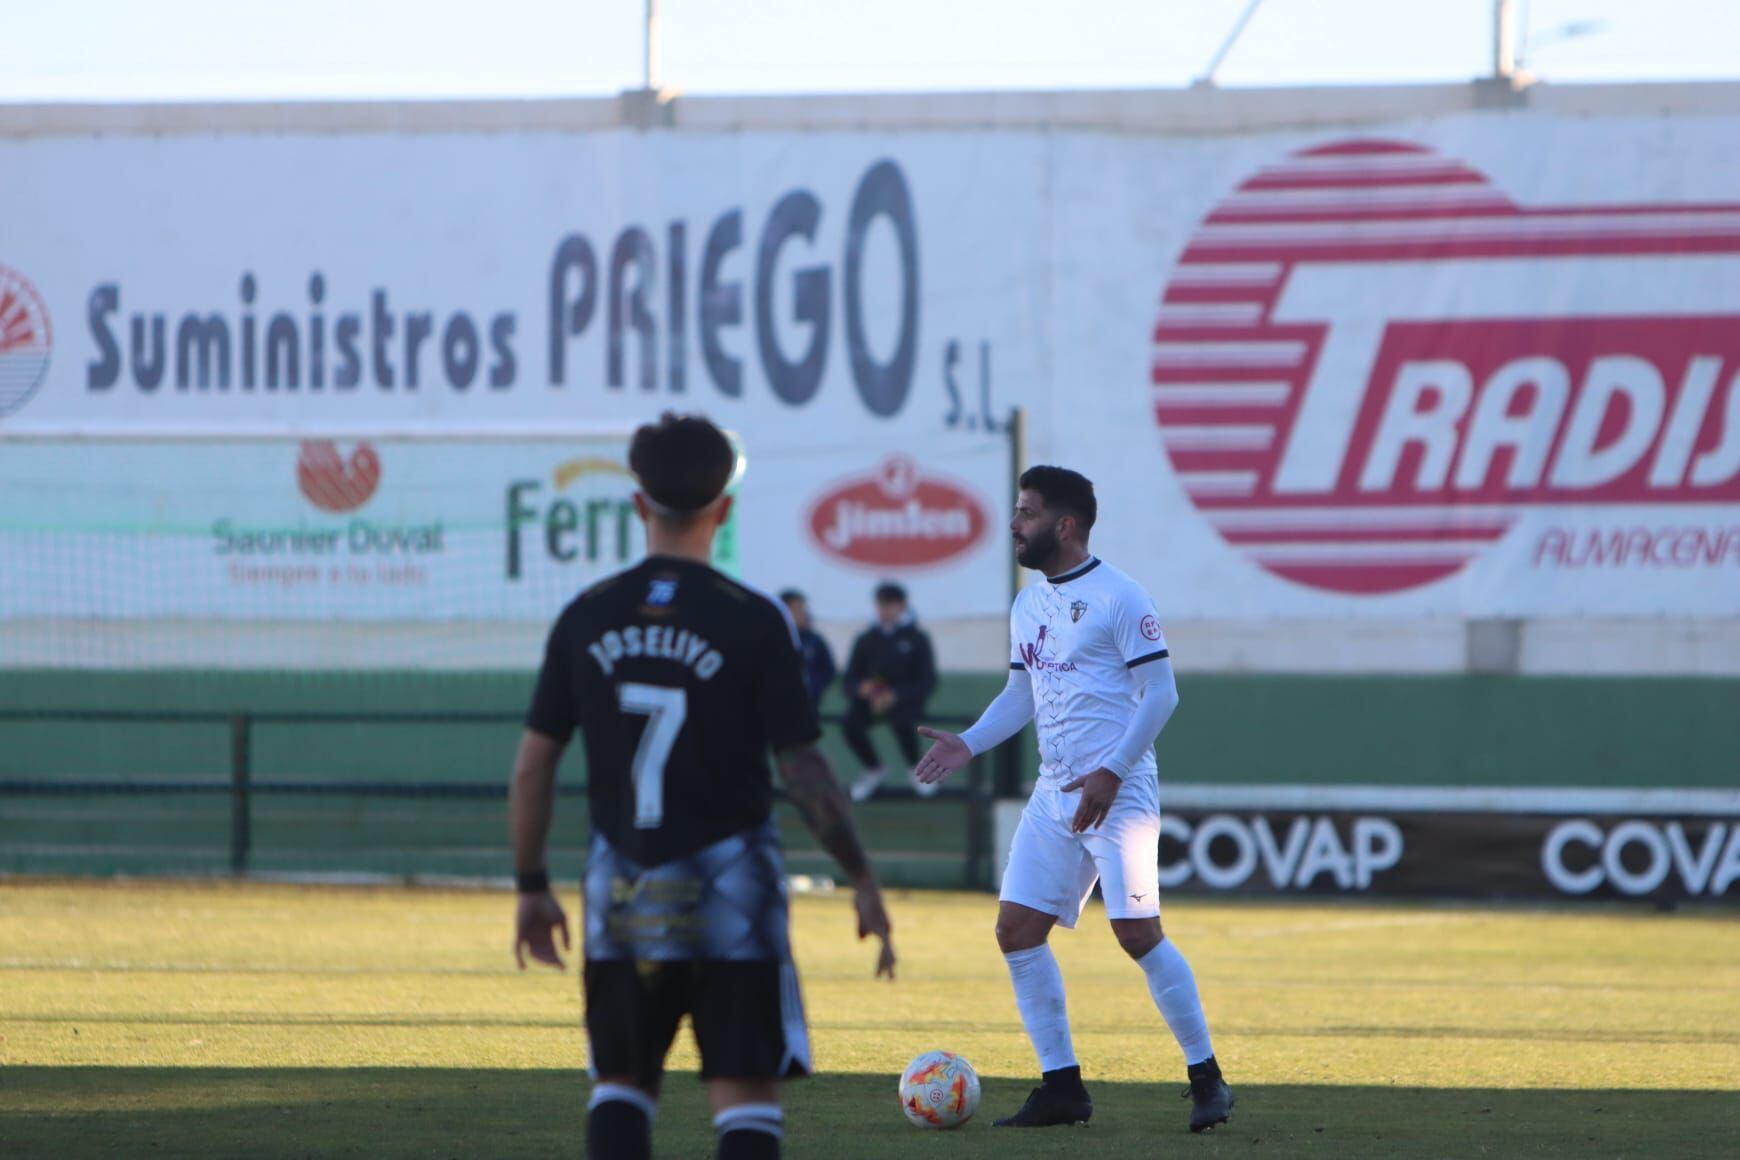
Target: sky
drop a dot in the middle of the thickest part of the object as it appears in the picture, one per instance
(120, 50)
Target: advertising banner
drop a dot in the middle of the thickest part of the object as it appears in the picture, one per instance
(426, 529)
(1481, 366)
(1388, 846)
(1453, 855)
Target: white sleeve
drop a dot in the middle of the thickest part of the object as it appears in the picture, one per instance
(1004, 716)
(1137, 627)
(1159, 697)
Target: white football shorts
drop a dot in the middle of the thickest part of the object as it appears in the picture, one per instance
(1053, 870)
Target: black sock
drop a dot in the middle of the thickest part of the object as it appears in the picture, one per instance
(617, 1130)
(749, 1132)
(748, 1144)
(1067, 1077)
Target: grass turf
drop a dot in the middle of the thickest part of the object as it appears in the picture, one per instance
(216, 1019)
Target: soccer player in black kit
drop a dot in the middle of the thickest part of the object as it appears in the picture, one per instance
(681, 681)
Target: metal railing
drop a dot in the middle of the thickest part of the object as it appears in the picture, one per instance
(993, 775)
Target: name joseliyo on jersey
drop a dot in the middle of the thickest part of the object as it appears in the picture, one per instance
(677, 644)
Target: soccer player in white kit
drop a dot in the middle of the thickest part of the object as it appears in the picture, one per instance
(1089, 665)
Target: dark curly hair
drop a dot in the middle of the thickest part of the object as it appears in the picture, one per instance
(683, 462)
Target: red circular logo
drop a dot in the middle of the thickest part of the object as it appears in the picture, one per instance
(333, 483)
(897, 516)
(26, 340)
(1150, 628)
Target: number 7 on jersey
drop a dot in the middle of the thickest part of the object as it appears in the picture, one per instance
(665, 710)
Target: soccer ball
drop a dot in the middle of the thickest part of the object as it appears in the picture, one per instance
(939, 1089)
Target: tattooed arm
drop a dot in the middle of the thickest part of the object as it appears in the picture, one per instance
(825, 809)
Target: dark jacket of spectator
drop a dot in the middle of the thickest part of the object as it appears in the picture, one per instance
(899, 657)
(818, 662)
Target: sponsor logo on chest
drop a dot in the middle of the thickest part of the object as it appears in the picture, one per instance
(1043, 653)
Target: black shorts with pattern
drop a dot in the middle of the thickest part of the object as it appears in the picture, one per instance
(707, 935)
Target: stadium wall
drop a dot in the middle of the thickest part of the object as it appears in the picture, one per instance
(1462, 731)
(1064, 252)
(1417, 408)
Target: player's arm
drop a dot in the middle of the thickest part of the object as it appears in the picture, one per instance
(1006, 715)
(809, 781)
(551, 720)
(531, 805)
(532, 800)
(1158, 689)
(827, 813)
(1136, 629)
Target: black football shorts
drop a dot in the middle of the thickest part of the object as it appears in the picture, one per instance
(705, 936)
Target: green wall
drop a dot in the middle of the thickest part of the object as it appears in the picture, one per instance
(1441, 731)
(1482, 731)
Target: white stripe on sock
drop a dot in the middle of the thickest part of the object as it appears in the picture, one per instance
(605, 1092)
(752, 1118)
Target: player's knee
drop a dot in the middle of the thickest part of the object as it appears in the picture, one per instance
(1014, 934)
(1138, 936)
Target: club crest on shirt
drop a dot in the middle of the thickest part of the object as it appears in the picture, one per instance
(1077, 609)
(661, 598)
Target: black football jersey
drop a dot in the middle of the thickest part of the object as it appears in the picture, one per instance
(680, 680)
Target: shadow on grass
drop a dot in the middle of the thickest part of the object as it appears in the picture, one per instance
(380, 1112)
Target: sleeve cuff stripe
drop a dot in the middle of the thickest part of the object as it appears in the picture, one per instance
(1017, 666)
(1153, 656)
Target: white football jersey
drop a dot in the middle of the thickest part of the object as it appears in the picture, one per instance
(1078, 637)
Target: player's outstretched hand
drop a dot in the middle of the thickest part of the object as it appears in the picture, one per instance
(1098, 790)
(539, 916)
(947, 754)
(873, 920)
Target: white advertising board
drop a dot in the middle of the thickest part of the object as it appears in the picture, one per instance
(424, 530)
(1472, 367)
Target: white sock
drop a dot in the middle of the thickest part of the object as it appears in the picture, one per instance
(1174, 991)
(1039, 997)
(752, 1118)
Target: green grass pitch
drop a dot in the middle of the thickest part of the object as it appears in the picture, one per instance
(188, 1019)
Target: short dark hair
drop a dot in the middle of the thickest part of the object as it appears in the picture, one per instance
(888, 592)
(683, 462)
(1068, 492)
(791, 594)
